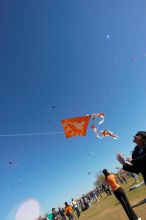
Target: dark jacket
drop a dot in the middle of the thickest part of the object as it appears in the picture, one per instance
(138, 162)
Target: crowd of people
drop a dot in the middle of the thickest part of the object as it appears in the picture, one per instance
(111, 184)
(75, 207)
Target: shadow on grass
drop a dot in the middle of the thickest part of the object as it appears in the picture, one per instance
(128, 186)
(140, 203)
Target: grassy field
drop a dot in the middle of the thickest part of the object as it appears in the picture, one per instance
(109, 207)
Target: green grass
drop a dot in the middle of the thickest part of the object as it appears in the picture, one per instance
(110, 208)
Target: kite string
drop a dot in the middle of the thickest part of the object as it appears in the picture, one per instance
(30, 134)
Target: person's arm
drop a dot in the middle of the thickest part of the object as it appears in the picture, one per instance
(131, 168)
(139, 161)
(121, 159)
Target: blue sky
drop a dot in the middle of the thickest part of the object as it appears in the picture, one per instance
(57, 53)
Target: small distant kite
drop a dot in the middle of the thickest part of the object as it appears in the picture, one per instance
(89, 173)
(53, 106)
(134, 59)
(107, 36)
(20, 182)
(12, 164)
(91, 153)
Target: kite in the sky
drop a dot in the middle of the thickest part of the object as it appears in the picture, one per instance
(75, 126)
(90, 153)
(133, 58)
(20, 182)
(78, 126)
(107, 36)
(53, 106)
(89, 173)
(12, 164)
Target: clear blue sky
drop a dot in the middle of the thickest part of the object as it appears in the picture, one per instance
(58, 53)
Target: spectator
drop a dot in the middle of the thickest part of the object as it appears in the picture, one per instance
(98, 192)
(75, 207)
(55, 214)
(62, 213)
(69, 211)
(137, 163)
(120, 195)
(106, 189)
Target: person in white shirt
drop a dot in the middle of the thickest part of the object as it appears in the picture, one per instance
(75, 207)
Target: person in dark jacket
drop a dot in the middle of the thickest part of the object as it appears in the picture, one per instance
(62, 213)
(137, 163)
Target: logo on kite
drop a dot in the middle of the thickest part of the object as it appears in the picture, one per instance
(75, 126)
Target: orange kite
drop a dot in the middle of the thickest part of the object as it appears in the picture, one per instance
(75, 126)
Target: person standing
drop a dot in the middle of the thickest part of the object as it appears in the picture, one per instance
(62, 213)
(106, 189)
(120, 195)
(138, 160)
(75, 207)
(69, 211)
(98, 192)
(55, 214)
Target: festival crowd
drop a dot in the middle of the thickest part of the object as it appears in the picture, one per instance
(111, 184)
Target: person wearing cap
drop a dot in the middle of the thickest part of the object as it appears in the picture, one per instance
(138, 160)
(120, 194)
